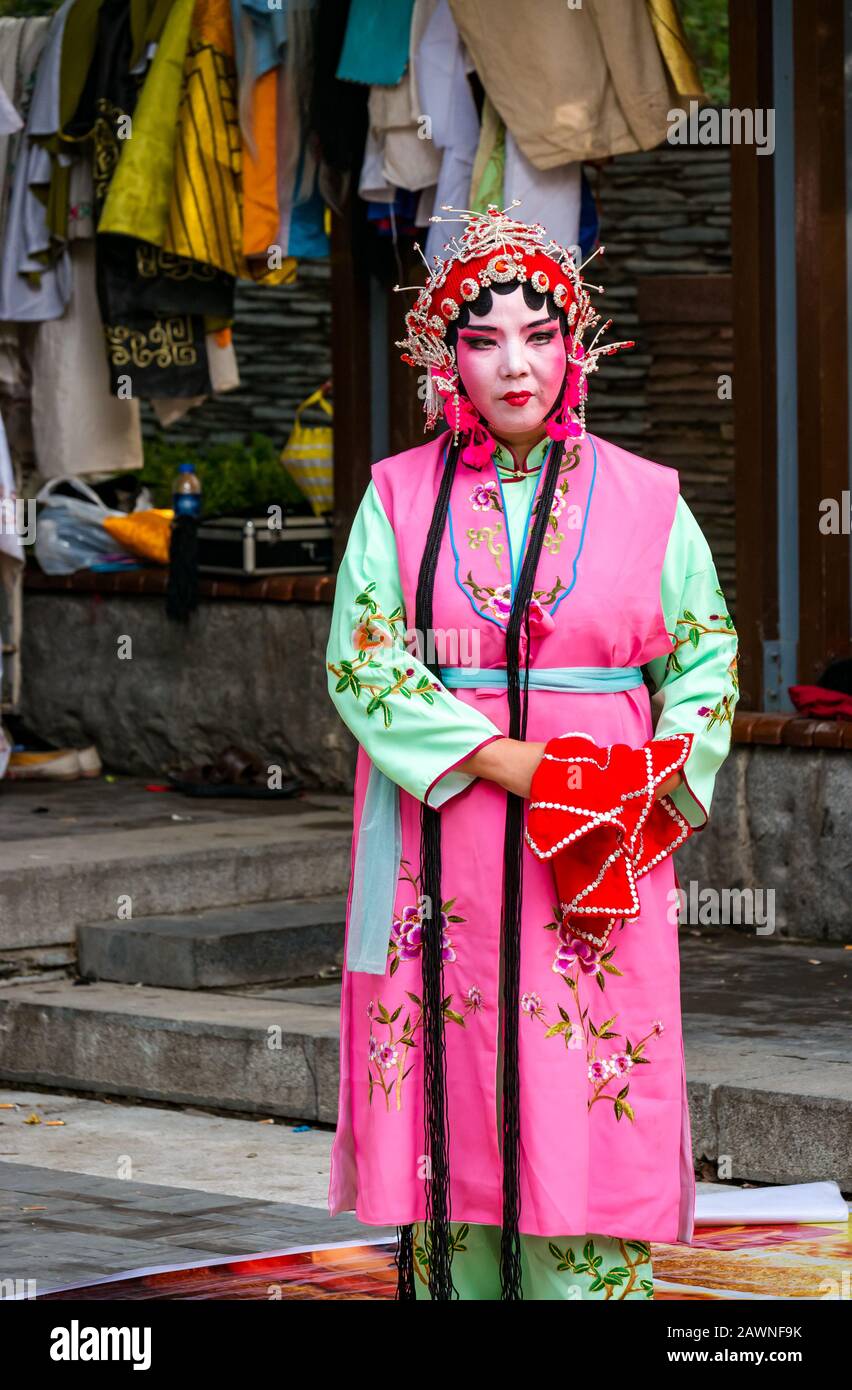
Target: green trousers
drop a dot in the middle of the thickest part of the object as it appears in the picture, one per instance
(552, 1267)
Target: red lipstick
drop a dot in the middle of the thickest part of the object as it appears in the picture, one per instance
(517, 397)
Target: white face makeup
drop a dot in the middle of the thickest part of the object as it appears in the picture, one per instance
(511, 364)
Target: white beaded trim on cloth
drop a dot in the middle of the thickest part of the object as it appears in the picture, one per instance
(572, 906)
(684, 827)
(612, 817)
(596, 938)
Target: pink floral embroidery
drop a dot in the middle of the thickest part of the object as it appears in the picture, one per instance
(531, 1005)
(409, 924)
(407, 935)
(575, 959)
(496, 602)
(387, 1057)
(486, 498)
(499, 602)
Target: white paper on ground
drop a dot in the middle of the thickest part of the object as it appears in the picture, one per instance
(798, 1201)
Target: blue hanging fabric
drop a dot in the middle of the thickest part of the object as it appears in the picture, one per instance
(375, 876)
(377, 42)
(589, 218)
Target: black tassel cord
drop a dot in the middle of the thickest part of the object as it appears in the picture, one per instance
(437, 1189)
(182, 584)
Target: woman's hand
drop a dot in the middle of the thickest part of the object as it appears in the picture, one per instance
(510, 762)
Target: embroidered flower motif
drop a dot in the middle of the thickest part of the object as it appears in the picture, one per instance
(496, 602)
(499, 602)
(374, 631)
(605, 1070)
(531, 1005)
(389, 1057)
(576, 960)
(365, 638)
(598, 1070)
(407, 935)
(408, 930)
(554, 537)
(411, 922)
(696, 631)
(572, 951)
(485, 498)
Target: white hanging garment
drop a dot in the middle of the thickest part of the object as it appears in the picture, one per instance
(78, 425)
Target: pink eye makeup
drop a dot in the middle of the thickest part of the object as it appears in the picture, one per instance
(474, 339)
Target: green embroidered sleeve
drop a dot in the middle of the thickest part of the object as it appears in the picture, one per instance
(412, 728)
(699, 677)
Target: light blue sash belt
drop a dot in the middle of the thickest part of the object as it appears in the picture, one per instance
(376, 868)
(577, 678)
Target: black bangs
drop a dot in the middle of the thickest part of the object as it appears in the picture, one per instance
(481, 307)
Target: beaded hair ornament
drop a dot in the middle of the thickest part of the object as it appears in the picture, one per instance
(495, 248)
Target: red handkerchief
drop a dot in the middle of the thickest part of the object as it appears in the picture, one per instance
(592, 812)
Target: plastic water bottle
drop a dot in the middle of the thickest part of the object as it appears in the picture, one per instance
(186, 492)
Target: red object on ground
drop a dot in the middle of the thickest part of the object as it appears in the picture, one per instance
(593, 813)
(157, 787)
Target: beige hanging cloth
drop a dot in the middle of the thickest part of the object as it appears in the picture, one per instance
(570, 83)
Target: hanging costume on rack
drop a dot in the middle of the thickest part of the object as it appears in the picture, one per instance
(152, 304)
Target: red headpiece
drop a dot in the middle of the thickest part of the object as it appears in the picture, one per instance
(495, 248)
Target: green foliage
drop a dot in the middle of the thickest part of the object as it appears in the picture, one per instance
(706, 25)
(234, 478)
(19, 9)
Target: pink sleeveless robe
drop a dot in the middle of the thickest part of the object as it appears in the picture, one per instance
(594, 1157)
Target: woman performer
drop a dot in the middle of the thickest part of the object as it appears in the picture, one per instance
(512, 1097)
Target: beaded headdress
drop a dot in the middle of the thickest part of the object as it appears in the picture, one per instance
(496, 248)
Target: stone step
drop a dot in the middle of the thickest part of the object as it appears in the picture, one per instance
(228, 1051)
(50, 887)
(768, 1070)
(280, 941)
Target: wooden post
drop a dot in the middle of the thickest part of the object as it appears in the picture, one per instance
(818, 42)
(753, 271)
(350, 356)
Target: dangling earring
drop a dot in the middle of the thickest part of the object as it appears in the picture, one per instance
(463, 418)
(564, 424)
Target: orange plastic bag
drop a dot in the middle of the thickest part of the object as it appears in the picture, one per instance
(146, 534)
